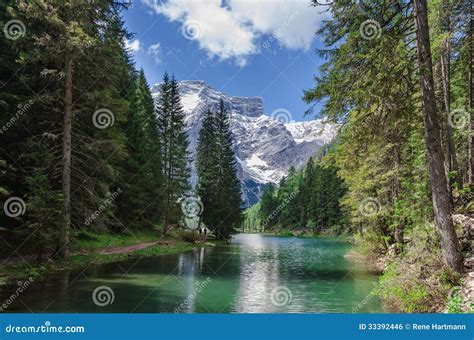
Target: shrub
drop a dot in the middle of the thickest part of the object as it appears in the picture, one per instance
(370, 245)
(454, 304)
(189, 236)
(417, 280)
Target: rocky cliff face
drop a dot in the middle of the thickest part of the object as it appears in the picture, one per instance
(265, 147)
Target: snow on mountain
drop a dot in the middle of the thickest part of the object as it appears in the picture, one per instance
(265, 147)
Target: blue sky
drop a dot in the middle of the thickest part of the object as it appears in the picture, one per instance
(240, 47)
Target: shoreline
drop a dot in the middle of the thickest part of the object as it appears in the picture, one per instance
(20, 269)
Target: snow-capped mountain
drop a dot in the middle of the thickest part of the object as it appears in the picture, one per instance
(265, 146)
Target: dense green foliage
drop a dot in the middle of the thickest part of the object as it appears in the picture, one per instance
(305, 200)
(174, 150)
(370, 85)
(103, 78)
(218, 185)
(129, 161)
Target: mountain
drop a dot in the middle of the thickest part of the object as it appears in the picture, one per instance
(265, 146)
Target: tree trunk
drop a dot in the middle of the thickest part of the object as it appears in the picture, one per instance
(439, 188)
(169, 191)
(446, 86)
(66, 185)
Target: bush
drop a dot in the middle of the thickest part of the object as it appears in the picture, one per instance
(370, 245)
(417, 281)
(189, 236)
(454, 304)
(400, 293)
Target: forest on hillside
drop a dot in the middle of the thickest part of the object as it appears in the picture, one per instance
(397, 78)
(84, 147)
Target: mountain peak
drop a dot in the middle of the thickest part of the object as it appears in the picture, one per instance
(265, 148)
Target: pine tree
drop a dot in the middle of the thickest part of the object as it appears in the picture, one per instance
(174, 150)
(207, 167)
(218, 187)
(59, 39)
(228, 186)
(267, 206)
(142, 174)
(442, 203)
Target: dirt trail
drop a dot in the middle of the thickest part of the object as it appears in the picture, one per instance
(103, 251)
(126, 249)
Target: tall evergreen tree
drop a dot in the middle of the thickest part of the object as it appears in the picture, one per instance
(207, 167)
(174, 150)
(59, 40)
(218, 187)
(142, 174)
(442, 203)
(230, 214)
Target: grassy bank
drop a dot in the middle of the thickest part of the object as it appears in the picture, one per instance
(93, 248)
(414, 277)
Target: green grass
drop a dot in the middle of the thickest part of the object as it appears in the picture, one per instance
(92, 243)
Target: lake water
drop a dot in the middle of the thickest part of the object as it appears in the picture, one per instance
(254, 274)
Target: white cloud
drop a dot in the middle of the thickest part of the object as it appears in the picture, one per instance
(213, 27)
(237, 29)
(155, 52)
(292, 23)
(133, 46)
